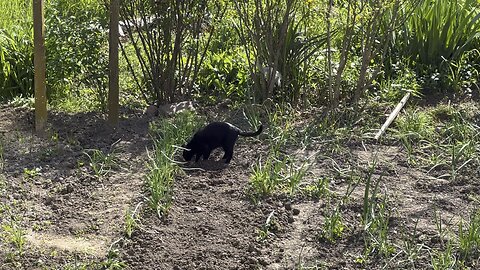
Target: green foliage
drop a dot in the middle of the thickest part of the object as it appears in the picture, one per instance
(333, 227)
(162, 168)
(13, 234)
(438, 39)
(267, 176)
(16, 49)
(443, 260)
(76, 43)
(101, 163)
(415, 125)
(318, 189)
(131, 222)
(171, 39)
(30, 173)
(16, 15)
(224, 74)
(16, 64)
(469, 237)
(112, 262)
(270, 225)
(395, 87)
(439, 31)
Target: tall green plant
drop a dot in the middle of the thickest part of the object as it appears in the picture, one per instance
(16, 64)
(277, 47)
(440, 31)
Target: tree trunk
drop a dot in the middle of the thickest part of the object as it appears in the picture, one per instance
(113, 84)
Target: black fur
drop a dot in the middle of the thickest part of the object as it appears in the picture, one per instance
(214, 135)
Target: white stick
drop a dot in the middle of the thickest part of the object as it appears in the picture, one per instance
(393, 115)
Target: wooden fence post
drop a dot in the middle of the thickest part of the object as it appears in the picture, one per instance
(113, 91)
(39, 67)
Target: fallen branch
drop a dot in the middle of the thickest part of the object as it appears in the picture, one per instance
(393, 115)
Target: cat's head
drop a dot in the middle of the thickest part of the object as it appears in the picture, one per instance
(187, 153)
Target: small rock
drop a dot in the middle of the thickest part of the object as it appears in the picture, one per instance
(67, 189)
(252, 261)
(197, 209)
(296, 211)
(253, 249)
(263, 261)
(290, 219)
(288, 206)
(236, 242)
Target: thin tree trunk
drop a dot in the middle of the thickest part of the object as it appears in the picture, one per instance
(113, 84)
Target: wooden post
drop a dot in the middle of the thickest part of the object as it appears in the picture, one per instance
(113, 92)
(39, 66)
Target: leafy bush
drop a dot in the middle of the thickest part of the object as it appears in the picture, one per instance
(437, 37)
(170, 39)
(16, 49)
(224, 74)
(16, 65)
(77, 51)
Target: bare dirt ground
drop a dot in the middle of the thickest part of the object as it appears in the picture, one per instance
(71, 218)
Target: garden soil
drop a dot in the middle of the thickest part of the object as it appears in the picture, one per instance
(72, 218)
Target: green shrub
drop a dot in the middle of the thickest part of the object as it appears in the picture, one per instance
(77, 49)
(16, 64)
(438, 38)
(224, 74)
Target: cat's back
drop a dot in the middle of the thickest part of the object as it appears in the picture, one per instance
(217, 130)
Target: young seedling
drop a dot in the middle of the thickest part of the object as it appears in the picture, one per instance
(101, 163)
(266, 229)
(131, 221)
(469, 236)
(319, 189)
(30, 173)
(333, 226)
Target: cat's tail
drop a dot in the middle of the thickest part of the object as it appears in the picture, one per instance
(251, 134)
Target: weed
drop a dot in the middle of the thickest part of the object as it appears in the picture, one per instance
(295, 176)
(439, 226)
(409, 247)
(30, 173)
(160, 184)
(469, 236)
(252, 114)
(267, 176)
(2, 159)
(162, 167)
(353, 181)
(333, 226)
(319, 189)
(270, 225)
(112, 262)
(369, 201)
(443, 260)
(375, 217)
(13, 234)
(377, 231)
(131, 221)
(281, 126)
(457, 156)
(101, 163)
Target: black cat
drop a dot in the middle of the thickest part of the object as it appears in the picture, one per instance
(214, 135)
